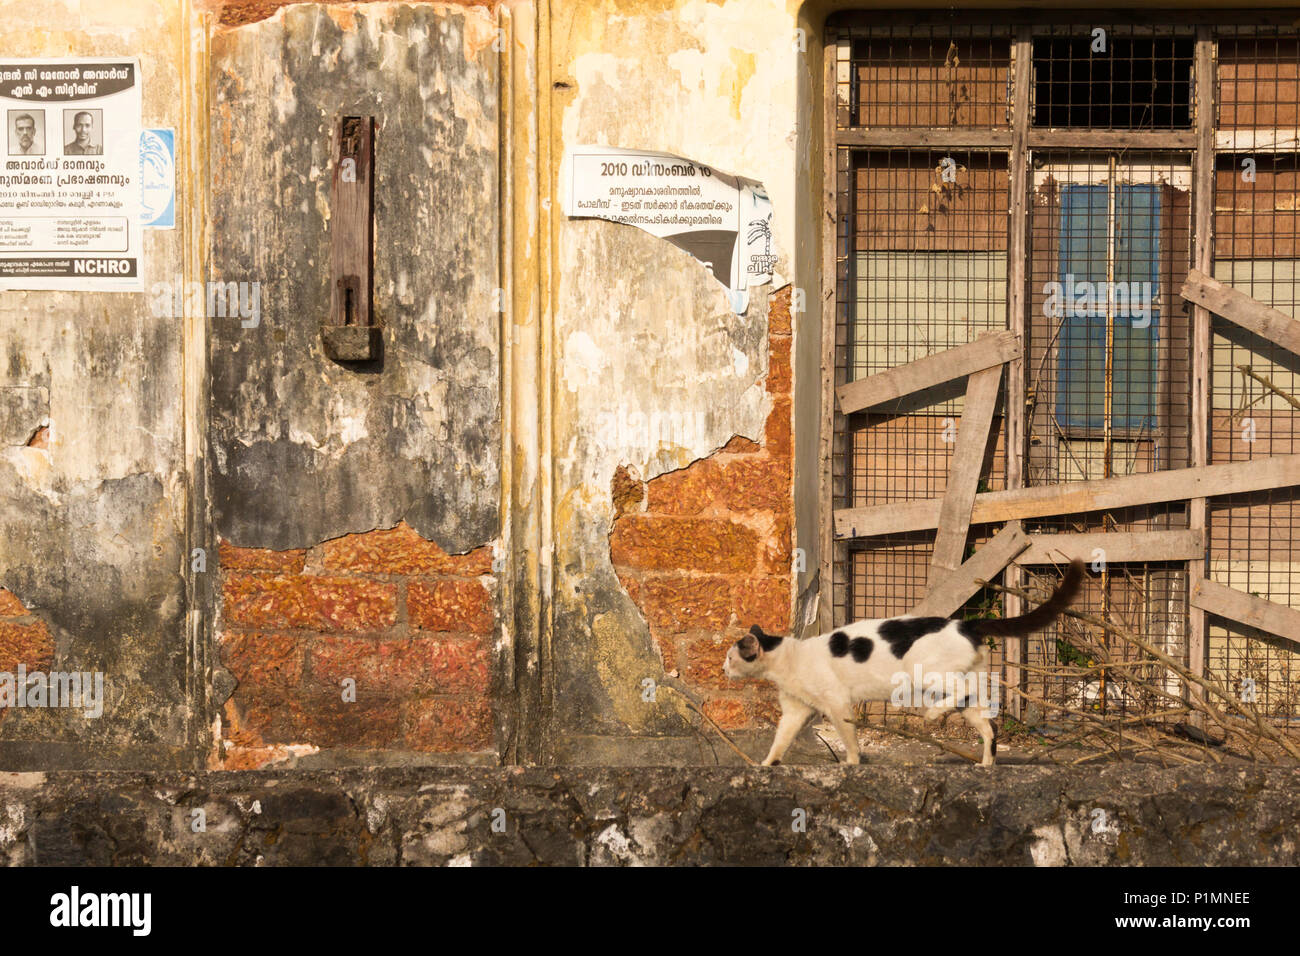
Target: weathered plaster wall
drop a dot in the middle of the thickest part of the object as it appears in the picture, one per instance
(653, 371)
(92, 514)
(304, 449)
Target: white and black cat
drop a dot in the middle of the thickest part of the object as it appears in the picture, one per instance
(867, 660)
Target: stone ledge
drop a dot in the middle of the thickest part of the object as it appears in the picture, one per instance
(657, 815)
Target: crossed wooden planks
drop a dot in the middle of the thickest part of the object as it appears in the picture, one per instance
(952, 582)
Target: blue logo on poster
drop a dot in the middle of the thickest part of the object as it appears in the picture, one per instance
(158, 178)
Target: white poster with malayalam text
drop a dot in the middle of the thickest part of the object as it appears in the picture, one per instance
(70, 180)
(722, 220)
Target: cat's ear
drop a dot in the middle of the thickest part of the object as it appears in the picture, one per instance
(757, 631)
(749, 647)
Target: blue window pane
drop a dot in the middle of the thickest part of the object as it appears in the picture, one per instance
(1081, 377)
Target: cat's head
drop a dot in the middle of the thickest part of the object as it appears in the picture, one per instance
(750, 655)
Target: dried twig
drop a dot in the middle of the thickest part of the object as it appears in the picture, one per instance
(1196, 694)
(721, 733)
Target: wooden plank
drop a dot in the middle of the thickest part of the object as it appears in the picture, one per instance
(1247, 609)
(1109, 140)
(1106, 494)
(1256, 141)
(1119, 547)
(1202, 259)
(985, 352)
(1240, 309)
(1017, 321)
(964, 471)
(957, 587)
(351, 221)
(955, 138)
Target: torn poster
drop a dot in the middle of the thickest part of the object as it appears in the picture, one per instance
(722, 220)
(70, 179)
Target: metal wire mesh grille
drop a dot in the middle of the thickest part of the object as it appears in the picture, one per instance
(937, 77)
(928, 274)
(1149, 600)
(1255, 539)
(1109, 352)
(922, 259)
(1113, 77)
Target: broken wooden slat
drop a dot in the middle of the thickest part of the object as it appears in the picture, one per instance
(954, 590)
(964, 472)
(1240, 309)
(1247, 609)
(1119, 547)
(1074, 497)
(984, 352)
(1249, 141)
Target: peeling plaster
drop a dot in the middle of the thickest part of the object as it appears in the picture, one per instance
(654, 370)
(417, 435)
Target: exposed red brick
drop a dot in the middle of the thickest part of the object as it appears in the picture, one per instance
(763, 601)
(683, 544)
(397, 667)
(740, 445)
(29, 644)
(233, 13)
(628, 491)
(325, 720)
(777, 430)
(443, 726)
(266, 665)
(760, 483)
(401, 550)
(667, 644)
(314, 603)
(685, 492)
(779, 312)
(687, 602)
(703, 662)
(461, 606)
(332, 658)
(779, 555)
(730, 714)
(40, 438)
(260, 559)
(778, 365)
(10, 606)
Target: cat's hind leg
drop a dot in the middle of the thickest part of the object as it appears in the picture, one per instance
(846, 725)
(794, 714)
(978, 718)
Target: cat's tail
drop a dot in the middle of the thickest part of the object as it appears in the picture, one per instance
(1038, 618)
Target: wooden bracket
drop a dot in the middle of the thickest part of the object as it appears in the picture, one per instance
(350, 334)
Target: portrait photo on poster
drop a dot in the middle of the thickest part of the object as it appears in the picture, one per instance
(26, 132)
(83, 132)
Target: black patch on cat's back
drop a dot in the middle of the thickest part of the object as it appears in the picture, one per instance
(859, 647)
(903, 632)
